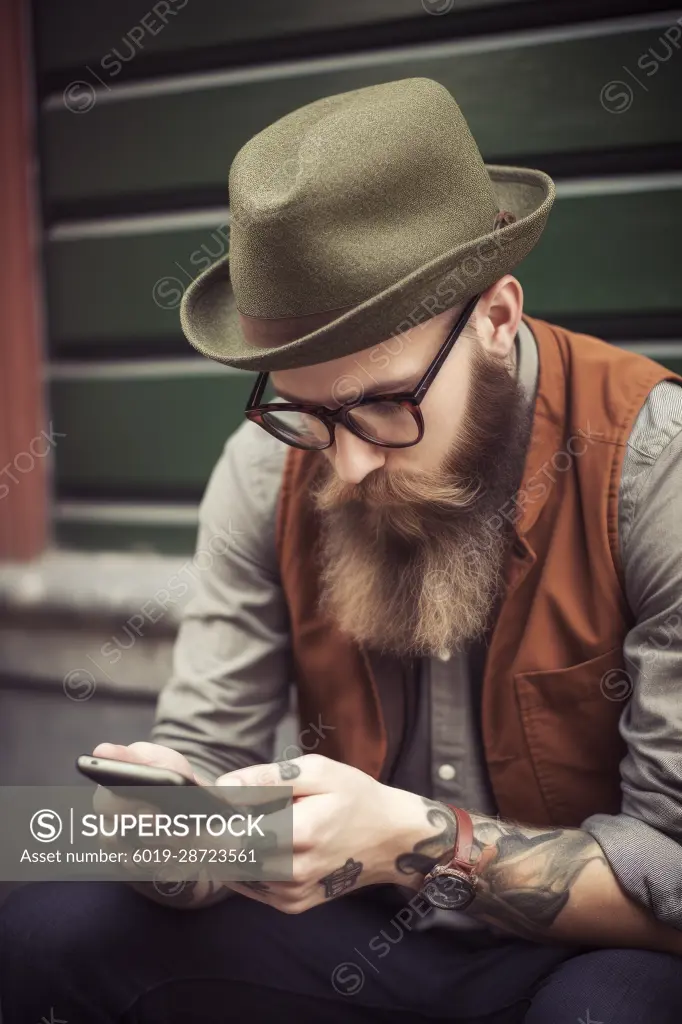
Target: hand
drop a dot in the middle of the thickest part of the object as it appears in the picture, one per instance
(107, 803)
(148, 753)
(348, 830)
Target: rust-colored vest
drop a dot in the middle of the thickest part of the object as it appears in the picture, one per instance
(549, 717)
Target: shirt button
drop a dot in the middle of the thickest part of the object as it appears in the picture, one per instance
(447, 772)
(445, 655)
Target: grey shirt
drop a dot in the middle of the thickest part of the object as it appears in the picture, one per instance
(230, 685)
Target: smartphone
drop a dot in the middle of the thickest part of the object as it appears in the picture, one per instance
(110, 772)
(114, 774)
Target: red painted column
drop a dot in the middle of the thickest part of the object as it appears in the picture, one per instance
(25, 439)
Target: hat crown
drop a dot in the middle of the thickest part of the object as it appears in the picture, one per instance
(340, 199)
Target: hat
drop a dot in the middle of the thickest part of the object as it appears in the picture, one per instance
(354, 218)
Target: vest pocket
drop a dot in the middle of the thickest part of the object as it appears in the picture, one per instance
(570, 718)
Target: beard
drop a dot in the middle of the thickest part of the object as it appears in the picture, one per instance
(412, 562)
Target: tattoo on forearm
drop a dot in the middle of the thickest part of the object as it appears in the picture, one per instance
(427, 852)
(341, 880)
(287, 770)
(526, 874)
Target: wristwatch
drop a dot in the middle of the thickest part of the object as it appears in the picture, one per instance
(452, 885)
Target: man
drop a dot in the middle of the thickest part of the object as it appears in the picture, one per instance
(457, 530)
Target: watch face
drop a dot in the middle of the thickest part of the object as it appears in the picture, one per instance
(449, 892)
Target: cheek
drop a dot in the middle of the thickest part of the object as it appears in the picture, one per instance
(427, 455)
(444, 406)
(443, 416)
(443, 424)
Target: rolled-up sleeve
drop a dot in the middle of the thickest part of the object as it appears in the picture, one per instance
(643, 843)
(230, 680)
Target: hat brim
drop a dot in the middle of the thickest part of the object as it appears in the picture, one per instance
(210, 319)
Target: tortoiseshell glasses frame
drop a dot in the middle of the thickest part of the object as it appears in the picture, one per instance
(330, 417)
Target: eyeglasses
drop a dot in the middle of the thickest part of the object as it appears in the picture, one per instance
(391, 420)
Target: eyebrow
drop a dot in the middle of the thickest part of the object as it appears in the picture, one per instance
(404, 384)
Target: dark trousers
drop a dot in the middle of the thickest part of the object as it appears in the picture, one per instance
(98, 952)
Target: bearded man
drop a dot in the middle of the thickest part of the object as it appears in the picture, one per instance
(457, 529)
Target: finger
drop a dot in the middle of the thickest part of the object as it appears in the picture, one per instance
(265, 849)
(117, 751)
(160, 757)
(272, 843)
(275, 894)
(283, 896)
(142, 752)
(308, 774)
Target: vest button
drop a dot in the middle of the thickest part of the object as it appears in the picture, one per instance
(447, 772)
(444, 655)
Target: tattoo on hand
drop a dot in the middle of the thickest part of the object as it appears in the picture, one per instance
(428, 852)
(344, 878)
(287, 770)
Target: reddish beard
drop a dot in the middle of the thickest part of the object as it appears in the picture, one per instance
(412, 562)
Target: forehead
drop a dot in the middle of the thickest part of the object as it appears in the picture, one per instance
(396, 364)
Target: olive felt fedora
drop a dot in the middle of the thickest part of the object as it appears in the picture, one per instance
(356, 217)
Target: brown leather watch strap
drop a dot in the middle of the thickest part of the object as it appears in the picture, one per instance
(464, 842)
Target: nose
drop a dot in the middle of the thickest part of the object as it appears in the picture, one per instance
(354, 458)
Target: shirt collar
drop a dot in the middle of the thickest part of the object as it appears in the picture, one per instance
(526, 360)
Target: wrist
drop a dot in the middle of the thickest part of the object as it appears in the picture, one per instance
(425, 833)
(451, 884)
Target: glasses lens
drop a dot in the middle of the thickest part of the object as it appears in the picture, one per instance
(300, 428)
(388, 422)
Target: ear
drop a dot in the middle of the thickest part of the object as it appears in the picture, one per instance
(499, 311)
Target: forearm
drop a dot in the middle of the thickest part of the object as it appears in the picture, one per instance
(545, 885)
(193, 895)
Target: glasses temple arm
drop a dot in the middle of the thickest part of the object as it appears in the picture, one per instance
(459, 326)
(258, 389)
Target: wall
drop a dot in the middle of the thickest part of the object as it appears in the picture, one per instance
(143, 108)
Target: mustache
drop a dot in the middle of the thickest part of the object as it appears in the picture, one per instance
(397, 487)
(400, 504)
